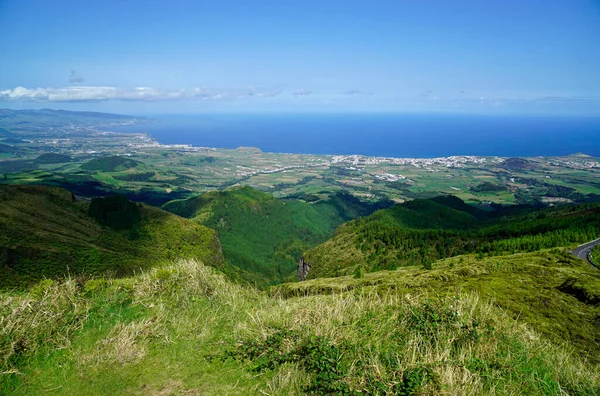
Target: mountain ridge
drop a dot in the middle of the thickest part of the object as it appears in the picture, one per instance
(49, 233)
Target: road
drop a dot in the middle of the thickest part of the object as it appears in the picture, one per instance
(583, 251)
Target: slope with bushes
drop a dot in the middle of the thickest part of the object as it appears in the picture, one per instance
(551, 290)
(46, 232)
(183, 329)
(422, 231)
(265, 236)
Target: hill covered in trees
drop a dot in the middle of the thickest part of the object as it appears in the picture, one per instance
(113, 163)
(422, 231)
(264, 236)
(473, 302)
(46, 232)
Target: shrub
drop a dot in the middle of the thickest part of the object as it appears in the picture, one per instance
(115, 212)
(358, 273)
(93, 286)
(42, 287)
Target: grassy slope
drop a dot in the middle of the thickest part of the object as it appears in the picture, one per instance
(409, 233)
(340, 254)
(555, 293)
(46, 233)
(52, 158)
(265, 236)
(183, 329)
(113, 163)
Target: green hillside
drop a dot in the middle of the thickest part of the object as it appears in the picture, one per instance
(52, 158)
(421, 231)
(47, 233)
(552, 291)
(113, 163)
(183, 329)
(487, 322)
(265, 236)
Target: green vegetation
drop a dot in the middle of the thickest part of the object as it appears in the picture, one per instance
(264, 236)
(136, 177)
(113, 163)
(17, 165)
(184, 172)
(5, 148)
(595, 256)
(555, 293)
(516, 164)
(198, 161)
(47, 233)
(487, 186)
(115, 212)
(52, 158)
(438, 295)
(539, 188)
(422, 231)
(184, 329)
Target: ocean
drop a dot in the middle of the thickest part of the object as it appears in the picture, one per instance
(390, 135)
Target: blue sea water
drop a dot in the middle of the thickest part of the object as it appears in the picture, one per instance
(394, 135)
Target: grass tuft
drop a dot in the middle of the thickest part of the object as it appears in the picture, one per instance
(183, 328)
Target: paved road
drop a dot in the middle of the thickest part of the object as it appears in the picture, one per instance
(583, 251)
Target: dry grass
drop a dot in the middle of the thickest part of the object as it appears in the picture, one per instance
(48, 316)
(468, 345)
(476, 331)
(126, 343)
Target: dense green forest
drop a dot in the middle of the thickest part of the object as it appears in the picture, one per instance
(595, 256)
(46, 232)
(420, 232)
(265, 236)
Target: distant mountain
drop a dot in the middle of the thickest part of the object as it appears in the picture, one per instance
(8, 113)
(265, 236)
(46, 232)
(86, 114)
(19, 122)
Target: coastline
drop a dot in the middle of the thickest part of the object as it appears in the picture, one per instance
(380, 135)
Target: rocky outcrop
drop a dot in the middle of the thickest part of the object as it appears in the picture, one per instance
(303, 268)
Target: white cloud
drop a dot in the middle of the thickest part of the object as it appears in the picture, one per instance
(138, 94)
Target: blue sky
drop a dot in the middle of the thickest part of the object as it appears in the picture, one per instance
(131, 56)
